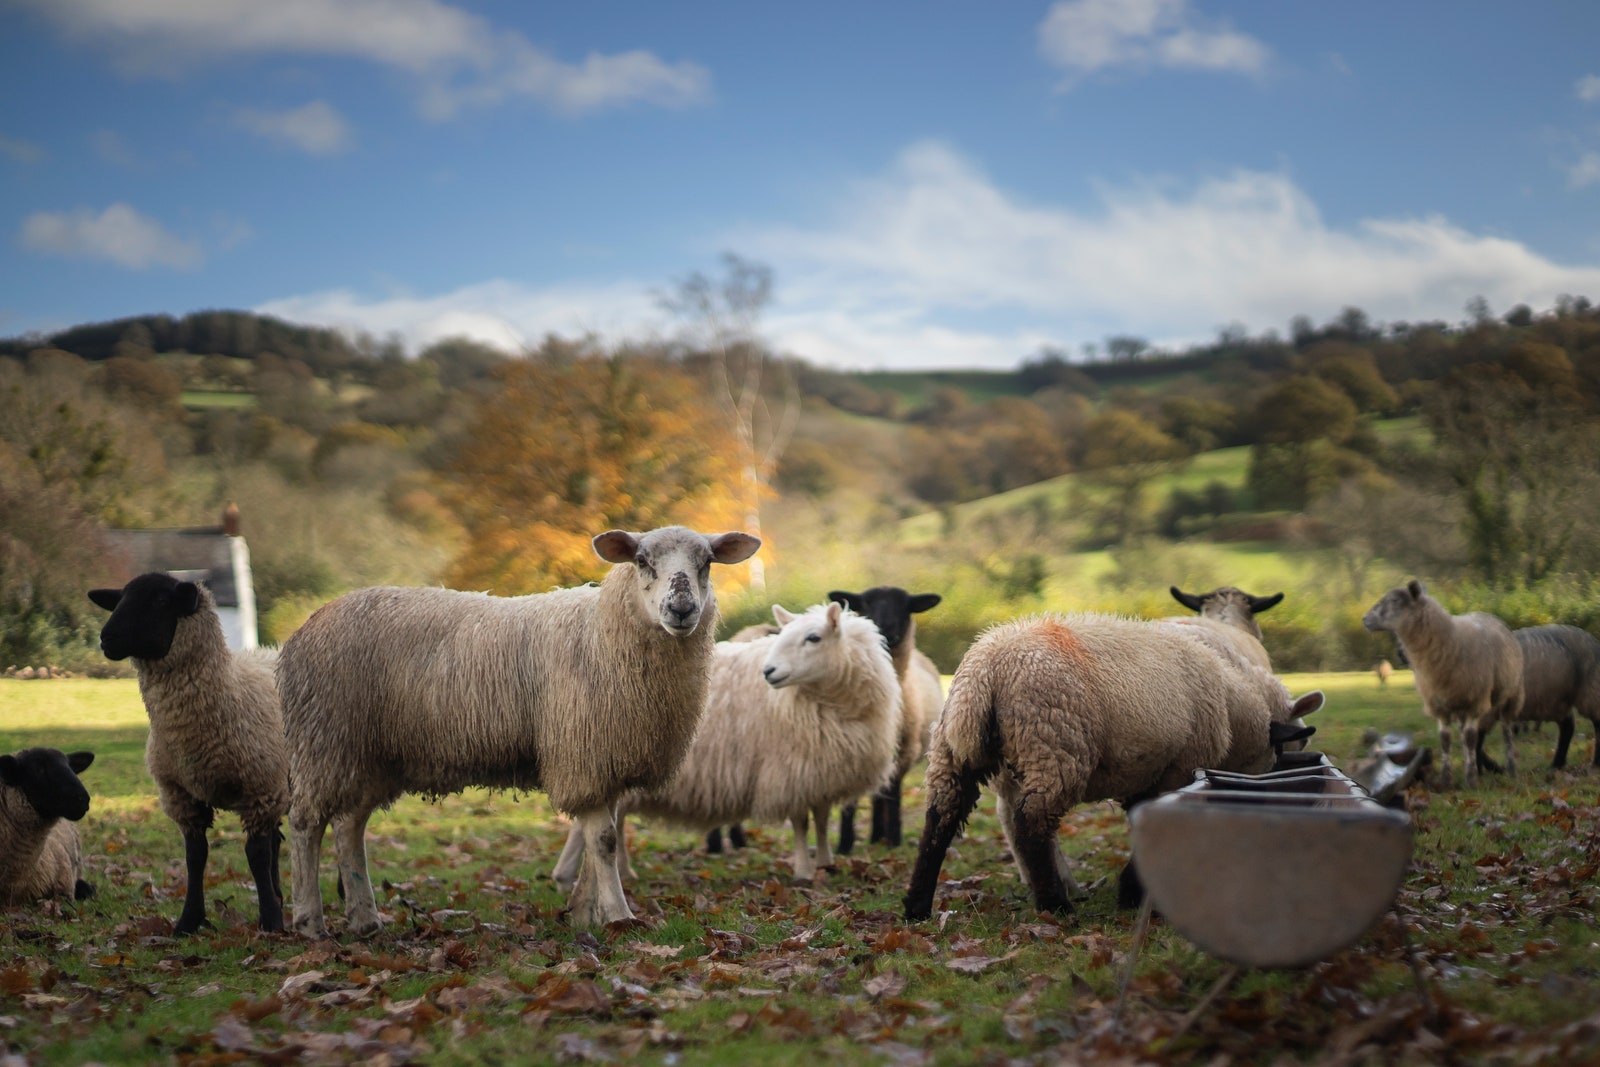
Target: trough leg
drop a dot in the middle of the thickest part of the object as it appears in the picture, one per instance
(566, 872)
(305, 855)
(951, 798)
(1564, 731)
(195, 852)
(847, 828)
(805, 869)
(597, 898)
(819, 819)
(350, 845)
(261, 853)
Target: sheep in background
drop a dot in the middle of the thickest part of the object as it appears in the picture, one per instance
(1560, 676)
(795, 723)
(922, 696)
(40, 799)
(1235, 609)
(1062, 710)
(1385, 670)
(216, 728)
(584, 693)
(1468, 670)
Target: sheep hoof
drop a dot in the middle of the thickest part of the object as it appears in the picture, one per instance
(802, 883)
(312, 928)
(566, 885)
(364, 927)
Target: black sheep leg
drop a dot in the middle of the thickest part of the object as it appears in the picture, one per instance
(950, 801)
(260, 851)
(1035, 846)
(847, 828)
(1564, 730)
(196, 850)
(714, 840)
(736, 835)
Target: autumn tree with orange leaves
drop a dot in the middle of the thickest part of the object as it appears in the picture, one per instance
(569, 445)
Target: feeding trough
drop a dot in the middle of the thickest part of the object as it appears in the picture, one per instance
(1271, 870)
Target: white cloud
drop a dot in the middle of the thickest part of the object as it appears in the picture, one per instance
(20, 151)
(119, 235)
(1584, 172)
(316, 128)
(458, 57)
(1084, 36)
(1588, 88)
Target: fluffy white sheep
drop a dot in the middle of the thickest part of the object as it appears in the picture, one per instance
(216, 728)
(584, 693)
(795, 723)
(1467, 668)
(40, 799)
(922, 697)
(1234, 609)
(1061, 710)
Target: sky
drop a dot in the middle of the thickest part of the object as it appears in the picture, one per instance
(936, 184)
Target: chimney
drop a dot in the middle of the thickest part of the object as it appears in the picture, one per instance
(230, 519)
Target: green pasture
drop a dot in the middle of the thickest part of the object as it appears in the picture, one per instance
(732, 964)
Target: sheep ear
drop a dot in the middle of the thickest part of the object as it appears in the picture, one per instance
(1414, 587)
(79, 761)
(852, 601)
(834, 610)
(784, 617)
(1188, 600)
(1258, 604)
(186, 597)
(733, 547)
(1285, 733)
(1308, 703)
(11, 771)
(106, 598)
(616, 546)
(922, 602)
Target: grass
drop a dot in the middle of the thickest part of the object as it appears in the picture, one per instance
(732, 964)
(203, 399)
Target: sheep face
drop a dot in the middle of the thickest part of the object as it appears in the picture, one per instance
(144, 615)
(890, 607)
(1396, 604)
(805, 649)
(1228, 605)
(48, 778)
(674, 569)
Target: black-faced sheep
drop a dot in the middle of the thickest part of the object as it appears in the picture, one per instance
(795, 723)
(1061, 710)
(216, 728)
(40, 799)
(584, 693)
(1235, 609)
(1560, 676)
(922, 695)
(1468, 669)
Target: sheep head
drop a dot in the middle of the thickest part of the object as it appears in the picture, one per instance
(673, 566)
(145, 615)
(1390, 611)
(804, 649)
(890, 607)
(1228, 605)
(48, 779)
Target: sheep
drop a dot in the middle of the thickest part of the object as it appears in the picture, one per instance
(892, 608)
(1467, 669)
(584, 693)
(1235, 609)
(1560, 675)
(795, 723)
(40, 799)
(1061, 710)
(216, 728)
(1384, 670)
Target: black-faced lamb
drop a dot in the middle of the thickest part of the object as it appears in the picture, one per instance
(216, 728)
(584, 693)
(40, 800)
(1467, 668)
(922, 696)
(795, 723)
(1560, 676)
(1062, 710)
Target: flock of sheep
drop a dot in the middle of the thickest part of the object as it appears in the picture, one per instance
(615, 699)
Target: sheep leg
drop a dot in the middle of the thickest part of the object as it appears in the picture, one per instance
(714, 841)
(1008, 827)
(196, 850)
(624, 866)
(805, 870)
(350, 843)
(951, 798)
(879, 812)
(305, 856)
(1444, 754)
(597, 898)
(1037, 851)
(1564, 731)
(261, 853)
(566, 872)
(1469, 745)
(736, 835)
(819, 818)
(891, 822)
(847, 828)
(1507, 731)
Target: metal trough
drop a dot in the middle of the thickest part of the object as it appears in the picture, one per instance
(1272, 870)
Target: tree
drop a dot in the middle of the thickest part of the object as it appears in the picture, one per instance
(1300, 423)
(566, 448)
(1123, 451)
(725, 315)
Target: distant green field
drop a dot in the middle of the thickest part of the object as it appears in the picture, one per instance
(196, 398)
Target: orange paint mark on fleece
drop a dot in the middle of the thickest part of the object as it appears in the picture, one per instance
(1063, 640)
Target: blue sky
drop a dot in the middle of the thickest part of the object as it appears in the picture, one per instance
(934, 184)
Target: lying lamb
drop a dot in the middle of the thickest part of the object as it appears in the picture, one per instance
(1061, 710)
(584, 693)
(40, 799)
(795, 723)
(216, 728)
(922, 696)
(1468, 670)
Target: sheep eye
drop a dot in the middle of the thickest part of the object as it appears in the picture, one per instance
(812, 639)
